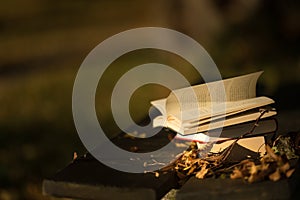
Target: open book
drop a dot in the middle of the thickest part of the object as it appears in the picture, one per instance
(190, 110)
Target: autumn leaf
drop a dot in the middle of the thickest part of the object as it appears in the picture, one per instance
(271, 153)
(201, 174)
(275, 176)
(236, 174)
(192, 169)
(285, 167)
(289, 173)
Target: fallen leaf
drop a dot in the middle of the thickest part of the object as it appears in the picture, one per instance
(181, 145)
(75, 155)
(236, 174)
(275, 176)
(289, 173)
(156, 174)
(192, 169)
(134, 149)
(253, 168)
(201, 174)
(271, 153)
(285, 167)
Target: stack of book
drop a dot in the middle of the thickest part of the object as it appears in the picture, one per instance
(192, 114)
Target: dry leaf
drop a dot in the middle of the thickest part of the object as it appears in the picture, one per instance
(236, 174)
(289, 173)
(285, 167)
(181, 145)
(134, 149)
(251, 178)
(275, 176)
(253, 168)
(202, 172)
(191, 170)
(271, 166)
(142, 135)
(265, 166)
(75, 155)
(271, 153)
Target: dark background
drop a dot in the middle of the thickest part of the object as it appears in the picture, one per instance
(43, 43)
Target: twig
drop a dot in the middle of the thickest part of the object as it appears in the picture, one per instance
(154, 163)
(226, 152)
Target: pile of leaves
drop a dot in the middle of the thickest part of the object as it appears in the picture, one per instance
(271, 166)
(274, 165)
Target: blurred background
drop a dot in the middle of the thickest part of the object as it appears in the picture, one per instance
(43, 44)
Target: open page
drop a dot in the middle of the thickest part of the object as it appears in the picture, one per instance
(232, 108)
(160, 105)
(193, 98)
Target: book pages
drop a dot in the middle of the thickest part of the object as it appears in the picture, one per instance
(232, 108)
(160, 105)
(196, 97)
(228, 122)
